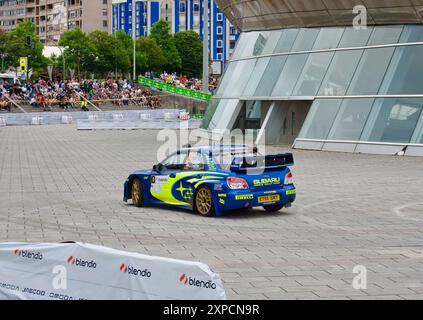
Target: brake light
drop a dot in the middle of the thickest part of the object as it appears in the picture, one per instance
(237, 183)
(289, 178)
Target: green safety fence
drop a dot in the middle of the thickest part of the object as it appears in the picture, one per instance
(172, 89)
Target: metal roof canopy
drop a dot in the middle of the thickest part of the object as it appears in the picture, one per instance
(254, 15)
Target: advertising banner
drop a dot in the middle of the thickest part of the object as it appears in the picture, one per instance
(76, 271)
(172, 89)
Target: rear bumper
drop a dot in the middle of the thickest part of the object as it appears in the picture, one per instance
(126, 193)
(246, 199)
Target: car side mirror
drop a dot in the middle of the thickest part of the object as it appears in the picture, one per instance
(158, 167)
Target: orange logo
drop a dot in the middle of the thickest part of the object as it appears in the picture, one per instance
(71, 260)
(184, 279)
(123, 268)
(18, 252)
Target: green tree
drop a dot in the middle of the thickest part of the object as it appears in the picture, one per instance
(105, 46)
(16, 42)
(190, 48)
(150, 56)
(123, 51)
(79, 50)
(160, 32)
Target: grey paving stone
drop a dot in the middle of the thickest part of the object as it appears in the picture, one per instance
(59, 184)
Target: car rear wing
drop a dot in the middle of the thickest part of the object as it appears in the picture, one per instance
(264, 163)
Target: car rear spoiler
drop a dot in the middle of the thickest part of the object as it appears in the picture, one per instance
(271, 162)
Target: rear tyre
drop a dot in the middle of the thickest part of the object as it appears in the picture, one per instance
(273, 207)
(137, 193)
(203, 202)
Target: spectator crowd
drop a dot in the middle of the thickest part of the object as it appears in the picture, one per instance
(183, 81)
(76, 94)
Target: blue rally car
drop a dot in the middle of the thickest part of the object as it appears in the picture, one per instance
(211, 181)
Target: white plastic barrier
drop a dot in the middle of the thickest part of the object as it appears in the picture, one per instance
(118, 116)
(2, 122)
(67, 119)
(169, 116)
(36, 121)
(145, 116)
(76, 271)
(92, 117)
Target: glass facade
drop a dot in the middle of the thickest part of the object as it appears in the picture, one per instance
(366, 85)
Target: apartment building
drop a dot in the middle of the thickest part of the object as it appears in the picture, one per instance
(53, 17)
(181, 15)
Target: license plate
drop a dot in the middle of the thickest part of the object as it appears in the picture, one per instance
(272, 198)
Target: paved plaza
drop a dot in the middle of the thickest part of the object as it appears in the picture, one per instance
(59, 184)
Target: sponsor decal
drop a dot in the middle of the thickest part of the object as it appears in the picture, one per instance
(266, 182)
(222, 201)
(244, 197)
(159, 179)
(77, 262)
(193, 282)
(270, 192)
(218, 187)
(222, 195)
(135, 271)
(291, 192)
(28, 254)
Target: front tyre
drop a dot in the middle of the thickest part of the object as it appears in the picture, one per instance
(204, 202)
(273, 207)
(137, 193)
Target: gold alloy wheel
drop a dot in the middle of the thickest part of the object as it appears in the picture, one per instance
(203, 201)
(136, 193)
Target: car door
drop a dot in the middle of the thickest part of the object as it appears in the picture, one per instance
(162, 182)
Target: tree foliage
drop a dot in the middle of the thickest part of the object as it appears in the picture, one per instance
(80, 52)
(190, 48)
(150, 56)
(13, 45)
(101, 53)
(160, 32)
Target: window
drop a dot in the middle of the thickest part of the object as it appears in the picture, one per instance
(370, 72)
(289, 75)
(219, 17)
(340, 72)
(313, 73)
(351, 119)
(320, 118)
(393, 120)
(404, 75)
(175, 161)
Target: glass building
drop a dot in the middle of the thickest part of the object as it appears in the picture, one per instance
(333, 87)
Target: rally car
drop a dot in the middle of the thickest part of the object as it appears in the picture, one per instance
(212, 181)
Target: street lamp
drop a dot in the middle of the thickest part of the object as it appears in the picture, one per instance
(206, 46)
(134, 37)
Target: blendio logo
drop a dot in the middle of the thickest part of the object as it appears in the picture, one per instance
(82, 263)
(134, 271)
(28, 254)
(187, 280)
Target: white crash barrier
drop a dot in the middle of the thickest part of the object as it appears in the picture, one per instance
(145, 116)
(169, 116)
(36, 121)
(92, 117)
(67, 119)
(118, 116)
(76, 271)
(2, 122)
